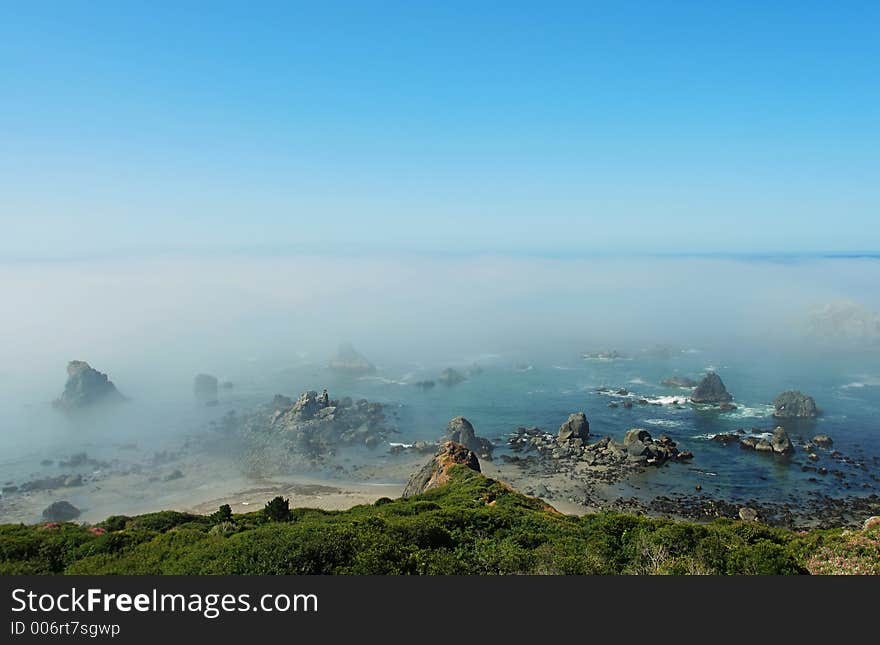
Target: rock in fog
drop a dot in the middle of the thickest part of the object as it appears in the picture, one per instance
(205, 387)
(348, 360)
(450, 376)
(436, 472)
(711, 390)
(85, 387)
(793, 404)
(679, 381)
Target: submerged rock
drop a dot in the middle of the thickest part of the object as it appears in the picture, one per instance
(575, 427)
(86, 386)
(794, 404)
(424, 385)
(436, 472)
(348, 360)
(60, 512)
(711, 390)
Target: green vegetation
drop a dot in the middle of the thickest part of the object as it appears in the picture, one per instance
(474, 525)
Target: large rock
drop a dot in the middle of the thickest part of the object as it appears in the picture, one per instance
(60, 512)
(781, 443)
(205, 387)
(436, 472)
(460, 430)
(635, 441)
(575, 427)
(711, 390)
(794, 404)
(86, 386)
(348, 360)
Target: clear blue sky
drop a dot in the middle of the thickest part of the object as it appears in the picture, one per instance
(444, 126)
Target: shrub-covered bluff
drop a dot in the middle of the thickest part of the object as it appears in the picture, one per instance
(470, 525)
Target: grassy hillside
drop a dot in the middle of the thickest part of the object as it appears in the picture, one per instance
(473, 525)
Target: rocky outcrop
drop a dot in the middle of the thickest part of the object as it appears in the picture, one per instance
(436, 472)
(205, 387)
(85, 387)
(60, 512)
(576, 427)
(679, 381)
(349, 361)
(711, 390)
(793, 404)
(640, 445)
(460, 430)
(779, 443)
(308, 432)
(450, 376)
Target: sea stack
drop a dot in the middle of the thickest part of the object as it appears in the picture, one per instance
(711, 390)
(85, 387)
(793, 404)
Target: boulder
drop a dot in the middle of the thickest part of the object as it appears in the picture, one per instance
(747, 514)
(711, 390)
(205, 387)
(575, 427)
(436, 472)
(460, 430)
(60, 512)
(781, 443)
(86, 386)
(635, 441)
(348, 360)
(793, 404)
(823, 441)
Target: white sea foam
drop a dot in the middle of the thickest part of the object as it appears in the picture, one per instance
(664, 423)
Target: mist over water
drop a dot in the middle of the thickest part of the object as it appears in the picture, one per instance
(269, 325)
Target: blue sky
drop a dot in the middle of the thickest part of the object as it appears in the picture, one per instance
(499, 127)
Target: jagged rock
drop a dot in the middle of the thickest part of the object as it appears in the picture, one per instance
(436, 472)
(711, 390)
(205, 387)
(794, 404)
(348, 360)
(781, 443)
(747, 514)
(575, 427)
(679, 381)
(823, 441)
(85, 387)
(635, 441)
(450, 376)
(60, 512)
(460, 430)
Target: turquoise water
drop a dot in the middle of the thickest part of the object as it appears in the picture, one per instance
(514, 391)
